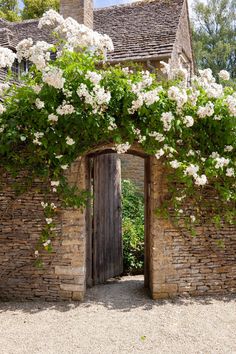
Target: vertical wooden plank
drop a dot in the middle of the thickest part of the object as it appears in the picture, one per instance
(118, 217)
(109, 213)
(107, 235)
(147, 185)
(89, 216)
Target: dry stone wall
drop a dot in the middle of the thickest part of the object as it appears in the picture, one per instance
(178, 264)
(63, 274)
(80, 10)
(132, 168)
(183, 44)
(182, 264)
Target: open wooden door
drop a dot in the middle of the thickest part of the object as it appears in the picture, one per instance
(106, 233)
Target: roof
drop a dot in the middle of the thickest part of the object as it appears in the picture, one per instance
(22, 30)
(140, 30)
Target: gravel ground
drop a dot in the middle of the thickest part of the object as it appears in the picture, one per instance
(118, 317)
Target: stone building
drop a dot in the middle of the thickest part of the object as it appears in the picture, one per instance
(145, 32)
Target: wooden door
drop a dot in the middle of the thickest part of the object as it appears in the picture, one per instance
(107, 255)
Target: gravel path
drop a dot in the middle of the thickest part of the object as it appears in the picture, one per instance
(120, 318)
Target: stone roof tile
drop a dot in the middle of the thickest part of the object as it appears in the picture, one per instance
(139, 30)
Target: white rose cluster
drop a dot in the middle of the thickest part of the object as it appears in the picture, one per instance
(175, 164)
(157, 136)
(180, 73)
(98, 97)
(50, 19)
(37, 136)
(206, 111)
(206, 80)
(141, 138)
(148, 98)
(112, 125)
(37, 88)
(65, 108)
(228, 148)
(192, 170)
(143, 93)
(54, 185)
(69, 141)
(7, 57)
(167, 118)
(224, 75)
(94, 77)
(23, 48)
(230, 172)
(179, 95)
(76, 35)
(165, 68)
(221, 162)
(38, 54)
(122, 148)
(214, 90)
(52, 118)
(39, 104)
(2, 109)
(53, 76)
(3, 88)
(188, 121)
(193, 96)
(159, 153)
(205, 77)
(231, 103)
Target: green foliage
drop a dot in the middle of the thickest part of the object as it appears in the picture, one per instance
(106, 113)
(36, 8)
(132, 228)
(8, 5)
(214, 35)
(9, 10)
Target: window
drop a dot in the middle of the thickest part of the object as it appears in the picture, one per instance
(20, 68)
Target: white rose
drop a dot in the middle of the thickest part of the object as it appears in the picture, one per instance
(69, 141)
(224, 75)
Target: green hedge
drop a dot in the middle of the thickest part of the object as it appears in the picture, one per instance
(132, 228)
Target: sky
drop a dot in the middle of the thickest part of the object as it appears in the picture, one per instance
(103, 3)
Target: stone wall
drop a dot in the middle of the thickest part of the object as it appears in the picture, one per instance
(63, 274)
(176, 264)
(132, 167)
(183, 44)
(80, 10)
(181, 264)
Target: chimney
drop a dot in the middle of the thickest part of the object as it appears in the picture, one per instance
(80, 10)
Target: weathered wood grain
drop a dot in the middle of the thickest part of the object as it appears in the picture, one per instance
(107, 232)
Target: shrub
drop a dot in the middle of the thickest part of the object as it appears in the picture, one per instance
(133, 228)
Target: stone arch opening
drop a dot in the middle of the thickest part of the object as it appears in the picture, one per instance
(104, 257)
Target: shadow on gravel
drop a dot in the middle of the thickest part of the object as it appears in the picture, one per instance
(124, 294)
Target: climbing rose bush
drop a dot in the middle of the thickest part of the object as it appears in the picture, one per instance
(72, 100)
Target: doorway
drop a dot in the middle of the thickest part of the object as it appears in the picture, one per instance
(104, 218)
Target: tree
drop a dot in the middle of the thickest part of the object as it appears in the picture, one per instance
(36, 8)
(9, 10)
(214, 35)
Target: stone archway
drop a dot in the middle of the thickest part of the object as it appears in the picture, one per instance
(177, 263)
(104, 220)
(160, 274)
(152, 200)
